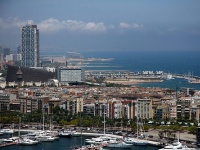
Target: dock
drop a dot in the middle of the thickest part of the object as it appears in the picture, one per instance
(4, 144)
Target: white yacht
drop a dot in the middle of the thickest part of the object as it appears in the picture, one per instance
(75, 134)
(65, 133)
(7, 131)
(175, 146)
(119, 144)
(135, 141)
(27, 141)
(44, 136)
(100, 140)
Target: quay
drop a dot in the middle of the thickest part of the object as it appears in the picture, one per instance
(4, 144)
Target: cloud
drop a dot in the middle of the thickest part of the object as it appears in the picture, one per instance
(74, 25)
(124, 25)
(53, 25)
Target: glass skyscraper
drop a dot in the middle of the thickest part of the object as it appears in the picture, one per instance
(30, 46)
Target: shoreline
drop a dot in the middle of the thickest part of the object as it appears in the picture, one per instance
(133, 81)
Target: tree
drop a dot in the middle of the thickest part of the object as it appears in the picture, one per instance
(146, 127)
(192, 129)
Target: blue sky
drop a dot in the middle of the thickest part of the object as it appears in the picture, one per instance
(104, 25)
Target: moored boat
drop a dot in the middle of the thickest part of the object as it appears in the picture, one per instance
(65, 133)
(27, 141)
(119, 144)
(175, 146)
(135, 141)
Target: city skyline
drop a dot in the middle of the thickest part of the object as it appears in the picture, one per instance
(113, 25)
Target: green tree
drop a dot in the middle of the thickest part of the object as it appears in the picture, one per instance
(146, 127)
(192, 129)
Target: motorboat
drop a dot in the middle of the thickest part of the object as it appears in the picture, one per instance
(175, 146)
(135, 141)
(89, 147)
(94, 141)
(10, 140)
(100, 140)
(7, 131)
(118, 144)
(65, 133)
(46, 138)
(27, 141)
(75, 134)
(1, 132)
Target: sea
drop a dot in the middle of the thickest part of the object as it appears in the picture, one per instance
(173, 62)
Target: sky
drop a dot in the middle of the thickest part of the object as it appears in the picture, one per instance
(104, 25)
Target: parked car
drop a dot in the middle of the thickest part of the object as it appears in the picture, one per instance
(150, 136)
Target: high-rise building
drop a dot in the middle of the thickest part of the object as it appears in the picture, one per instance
(30, 46)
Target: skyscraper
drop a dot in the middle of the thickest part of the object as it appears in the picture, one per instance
(30, 46)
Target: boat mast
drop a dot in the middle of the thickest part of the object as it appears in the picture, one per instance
(43, 119)
(19, 126)
(104, 118)
(137, 118)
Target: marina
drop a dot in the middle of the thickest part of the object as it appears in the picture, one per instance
(105, 141)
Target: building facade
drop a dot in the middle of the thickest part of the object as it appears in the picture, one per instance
(183, 109)
(30, 46)
(144, 109)
(66, 74)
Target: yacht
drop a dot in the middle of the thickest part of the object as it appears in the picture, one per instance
(100, 140)
(7, 131)
(27, 141)
(118, 144)
(45, 136)
(175, 146)
(12, 139)
(89, 147)
(75, 133)
(65, 133)
(135, 141)
(1, 132)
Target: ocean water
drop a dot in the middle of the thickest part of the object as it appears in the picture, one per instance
(64, 144)
(174, 62)
(184, 62)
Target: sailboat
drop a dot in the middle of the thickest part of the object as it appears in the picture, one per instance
(45, 136)
(136, 141)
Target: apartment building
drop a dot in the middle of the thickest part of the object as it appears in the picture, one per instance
(144, 109)
(183, 108)
(162, 112)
